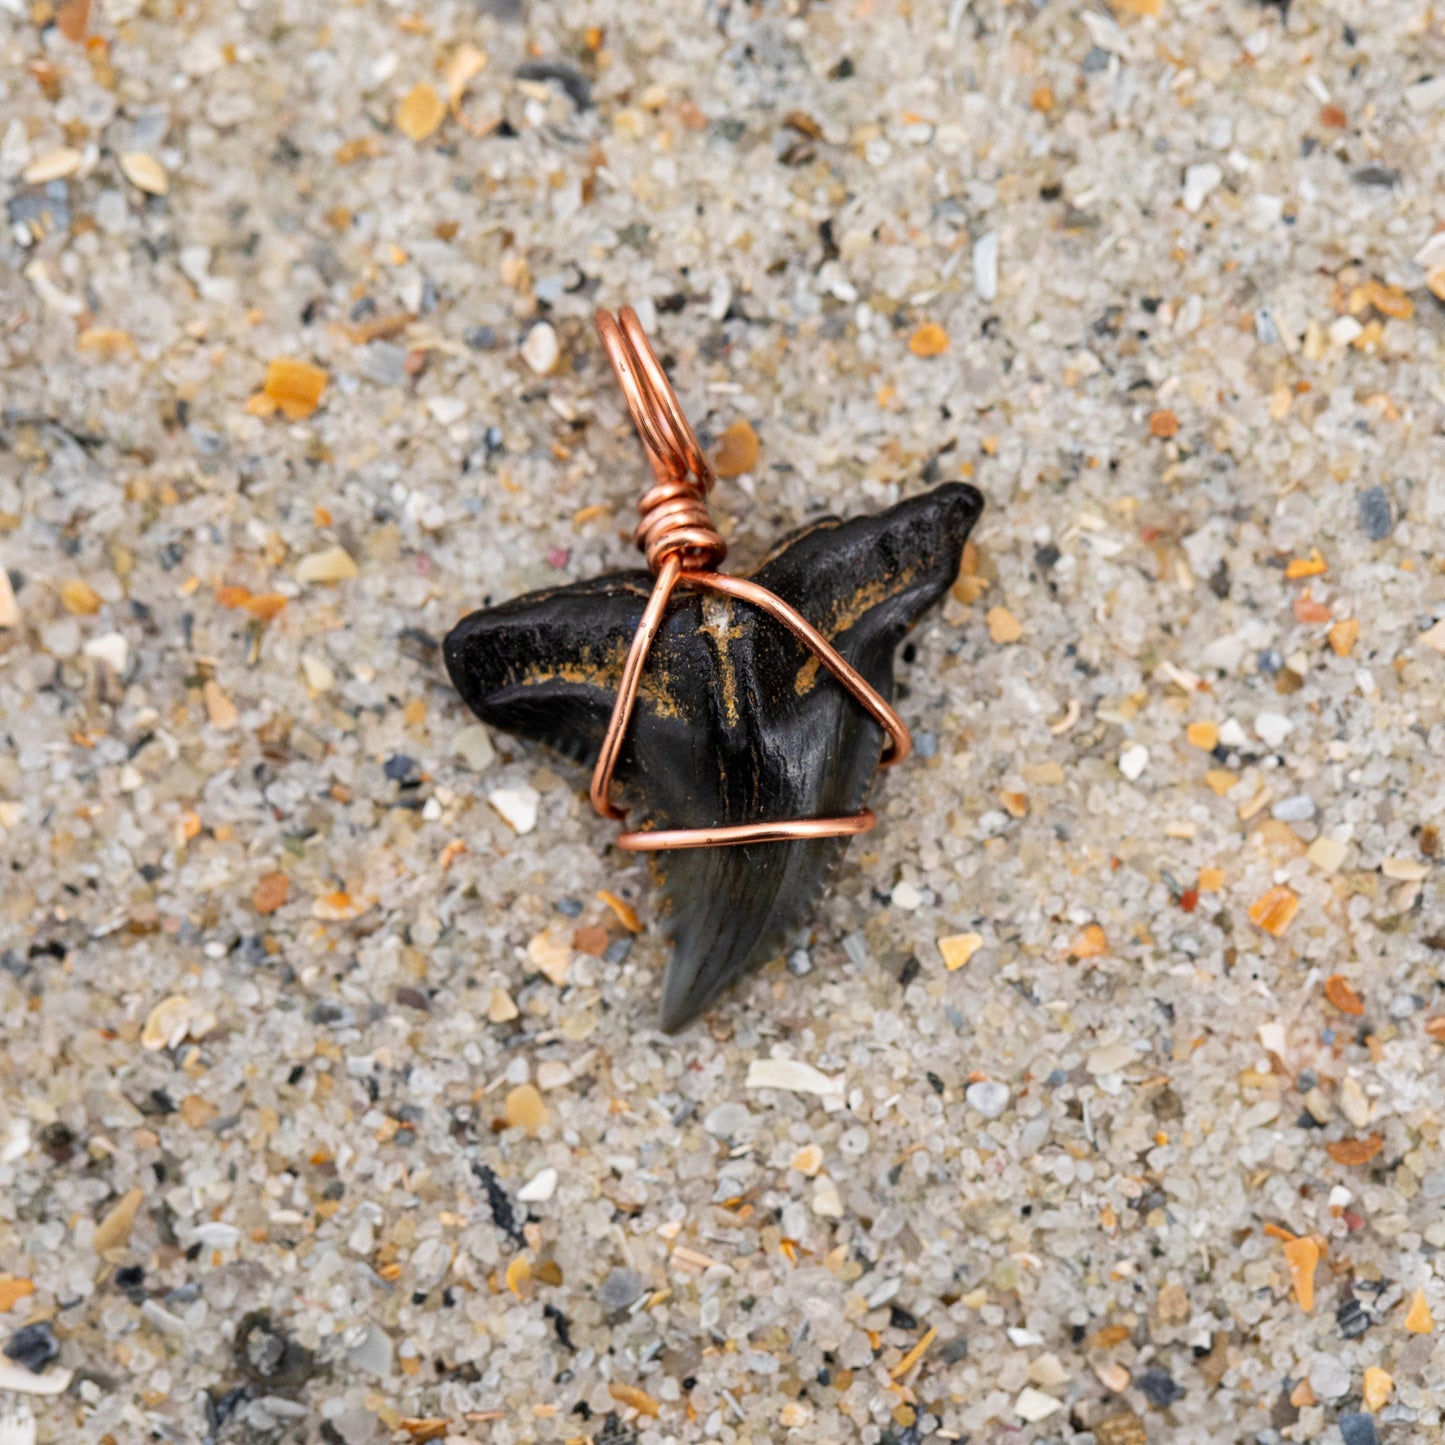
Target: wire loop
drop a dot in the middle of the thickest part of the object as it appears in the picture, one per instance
(683, 547)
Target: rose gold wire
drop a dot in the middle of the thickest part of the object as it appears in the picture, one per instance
(682, 546)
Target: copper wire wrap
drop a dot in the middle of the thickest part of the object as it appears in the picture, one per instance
(682, 546)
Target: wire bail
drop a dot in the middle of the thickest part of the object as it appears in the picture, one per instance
(683, 547)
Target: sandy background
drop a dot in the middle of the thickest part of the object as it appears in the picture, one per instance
(331, 1105)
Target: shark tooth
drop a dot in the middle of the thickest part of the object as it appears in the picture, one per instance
(736, 720)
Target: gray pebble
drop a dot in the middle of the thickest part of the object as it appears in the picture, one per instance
(1298, 809)
(621, 1288)
(1329, 1377)
(989, 1098)
(374, 1353)
(727, 1120)
(162, 1319)
(1358, 1429)
(384, 363)
(1377, 519)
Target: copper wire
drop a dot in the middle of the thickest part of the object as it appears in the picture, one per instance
(683, 547)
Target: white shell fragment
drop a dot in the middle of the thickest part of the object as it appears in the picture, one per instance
(517, 806)
(792, 1075)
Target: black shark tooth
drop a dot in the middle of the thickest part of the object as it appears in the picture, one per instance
(736, 721)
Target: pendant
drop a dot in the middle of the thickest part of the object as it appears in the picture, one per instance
(739, 721)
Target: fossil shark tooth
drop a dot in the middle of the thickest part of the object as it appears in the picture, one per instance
(736, 721)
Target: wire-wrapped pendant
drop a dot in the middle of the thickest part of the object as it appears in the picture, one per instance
(741, 720)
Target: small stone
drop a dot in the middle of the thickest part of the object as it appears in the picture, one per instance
(79, 598)
(1352, 1102)
(331, 564)
(1272, 1038)
(1199, 181)
(420, 113)
(1353, 1318)
(1358, 1429)
(524, 1109)
(1203, 735)
(13, 1290)
(501, 1007)
(33, 1347)
(737, 450)
(114, 1230)
(985, 266)
(635, 1398)
(1341, 993)
(1329, 1377)
(621, 1289)
(1343, 330)
(1033, 1405)
(989, 1098)
(319, 676)
(219, 708)
(1132, 762)
(1426, 95)
(1003, 626)
(1377, 520)
(1160, 1388)
(1111, 1059)
(550, 953)
(1273, 728)
(905, 896)
(271, 893)
(954, 1350)
(111, 648)
(374, 1353)
(145, 173)
(1173, 1304)
(385, 363)
(54, 165)
(1122, 1429)
(1405, 870)
(553, 1074)
(1435, 637)
(1327, 854)
(958, 948)
(1343, 636)
(929, 340)
(1378, 1385)
(794, 1415)
(1047, 1370)
(539, 1188)
(729, 1120)
(1297, 809)
(1419, 1320)
(1274, 910)
(445, 410)
(808, 1160)
(517, 806)
(162, 1320)
(827, 1202)
(541, 349)
(473, 745)
(1232, 733)
(167, 1023)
